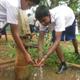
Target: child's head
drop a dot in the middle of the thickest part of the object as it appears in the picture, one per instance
(34, 2)
(31, 2)
(42, 14)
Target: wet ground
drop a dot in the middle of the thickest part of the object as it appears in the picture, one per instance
(48, 74)
(8, 72)
(70, 74)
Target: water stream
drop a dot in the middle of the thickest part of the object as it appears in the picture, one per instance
(38, 74)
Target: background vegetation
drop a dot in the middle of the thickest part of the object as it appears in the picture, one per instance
(7, 48)
(74, 4)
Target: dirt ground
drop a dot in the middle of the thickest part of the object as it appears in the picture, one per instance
(7, 70)
(48, 74)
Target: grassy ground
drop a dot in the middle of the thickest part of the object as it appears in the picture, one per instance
(7, 50)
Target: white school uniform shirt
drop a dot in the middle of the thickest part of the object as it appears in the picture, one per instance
(61, 17)
(31, 16)
(2, 24)
(9, 11)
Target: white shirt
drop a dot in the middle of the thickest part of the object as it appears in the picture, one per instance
(61, 17)
(9, 10)
(2, 24)
(31, 16)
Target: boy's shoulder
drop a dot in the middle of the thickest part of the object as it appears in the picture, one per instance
(15, 3)
(54, 9)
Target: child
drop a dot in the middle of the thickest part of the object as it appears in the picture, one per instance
(9, 13)
(61, 21)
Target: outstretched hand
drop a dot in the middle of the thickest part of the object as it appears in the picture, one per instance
(29, 59)
(38, 62)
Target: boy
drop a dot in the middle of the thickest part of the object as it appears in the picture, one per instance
(9, 13)
(61, 21)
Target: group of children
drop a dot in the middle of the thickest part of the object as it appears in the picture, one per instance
(59, 20)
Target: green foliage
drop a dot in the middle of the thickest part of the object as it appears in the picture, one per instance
(68, 50)
(78, 37)
(70, 56)
(7, 49)
(73, 4)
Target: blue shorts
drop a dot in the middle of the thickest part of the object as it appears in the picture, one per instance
(68, 34)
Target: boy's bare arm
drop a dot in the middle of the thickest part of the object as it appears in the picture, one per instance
(52, 47)
(16, 36)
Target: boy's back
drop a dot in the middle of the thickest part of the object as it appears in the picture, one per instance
(64, 12)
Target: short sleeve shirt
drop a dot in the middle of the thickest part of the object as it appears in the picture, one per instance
(61, 17)
(9, 11)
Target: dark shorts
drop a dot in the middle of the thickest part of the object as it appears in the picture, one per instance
(31, 28)
(68, 34)
(2, 31)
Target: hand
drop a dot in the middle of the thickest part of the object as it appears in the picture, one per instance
(39, 62)
(29, 59)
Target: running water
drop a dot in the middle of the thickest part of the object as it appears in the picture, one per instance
(41, 73)
(38, 74)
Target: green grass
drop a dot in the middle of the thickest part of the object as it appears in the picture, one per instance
(9, 51)
(78, 37)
